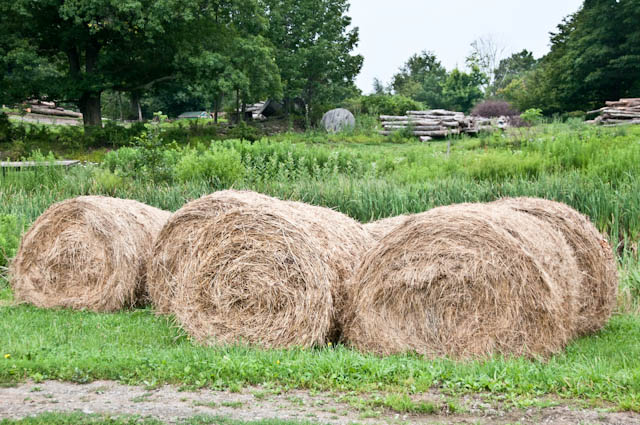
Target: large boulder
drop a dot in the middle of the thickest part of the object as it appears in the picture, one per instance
(337, 120)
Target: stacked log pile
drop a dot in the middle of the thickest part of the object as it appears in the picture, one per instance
(426, 125)
(50, 108)
(623, 111)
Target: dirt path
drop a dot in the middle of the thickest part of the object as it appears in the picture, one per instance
(171, 405)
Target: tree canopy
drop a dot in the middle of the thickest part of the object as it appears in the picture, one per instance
(73, 51)
(424, 79)
(594, 57)
(313, 49)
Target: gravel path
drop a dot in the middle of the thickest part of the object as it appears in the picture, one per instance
(171, 405)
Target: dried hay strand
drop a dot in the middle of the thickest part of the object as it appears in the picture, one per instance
(88, 253)
(176, 241)
(381, 228)
(465, 281)
(180, 253)
(598, 288)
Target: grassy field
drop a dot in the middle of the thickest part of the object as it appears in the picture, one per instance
(595, 170)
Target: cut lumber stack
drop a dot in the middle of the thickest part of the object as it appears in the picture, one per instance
(50, 108)
(435, 123)
(619, 112)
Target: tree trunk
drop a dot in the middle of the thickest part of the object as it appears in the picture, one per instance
(91, 109)
(215, 109)
(120, 106)
(90, 102)
(136, 109)
(238, 117)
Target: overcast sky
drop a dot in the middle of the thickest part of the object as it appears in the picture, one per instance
(392, 31)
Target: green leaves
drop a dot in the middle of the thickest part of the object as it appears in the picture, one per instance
(594, 57)
(313, 48)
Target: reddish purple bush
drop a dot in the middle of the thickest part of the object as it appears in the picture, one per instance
(494, 109)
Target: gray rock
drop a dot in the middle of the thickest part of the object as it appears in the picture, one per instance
(337, 120)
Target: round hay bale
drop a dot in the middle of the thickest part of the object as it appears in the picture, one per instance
(380, 228)
(337, 120)
(88, 253)
(467, 280)
(338, 242)
(257, 277)
(598, 288)
(176, 241)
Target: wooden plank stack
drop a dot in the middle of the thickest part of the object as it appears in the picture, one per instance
(427, 125)
(620, 112)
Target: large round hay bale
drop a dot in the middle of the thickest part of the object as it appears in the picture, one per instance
(176, 241)
(381, 228)
(89, 253)
(465, 281)
(598, 287)
(337, 120)
(337, 242)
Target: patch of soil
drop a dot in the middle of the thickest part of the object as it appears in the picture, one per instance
(171, 405)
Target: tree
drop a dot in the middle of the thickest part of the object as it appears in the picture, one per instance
(594, 57)
(22, 72)
(379, 87)
(461, 90)
(422, 78)
(515, 66)
(122, 45)
(313, 50)
(486, 53)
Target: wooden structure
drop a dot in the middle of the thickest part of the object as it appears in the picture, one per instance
(427, 125)
(623, 111)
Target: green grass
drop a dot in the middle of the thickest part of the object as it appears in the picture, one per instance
(593, 169)
(83, 419)
(149, 350)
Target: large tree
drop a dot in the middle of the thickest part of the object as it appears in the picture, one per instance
(314, 49)
(486, 54)
(515, 66)
(462, 90)
(122, 45)
(594, 57)
(422, 78)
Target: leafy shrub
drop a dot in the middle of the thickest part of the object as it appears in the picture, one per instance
(242, 131)
(112, 135)
(9, 238)
(217, 164)
(532, 116)
(494, 109)
(194, 130)
(124, 161)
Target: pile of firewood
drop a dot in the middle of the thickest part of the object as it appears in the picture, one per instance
(426, 125)
(49, 108)
(623, 111)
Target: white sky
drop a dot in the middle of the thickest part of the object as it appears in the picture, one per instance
(392, 31)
